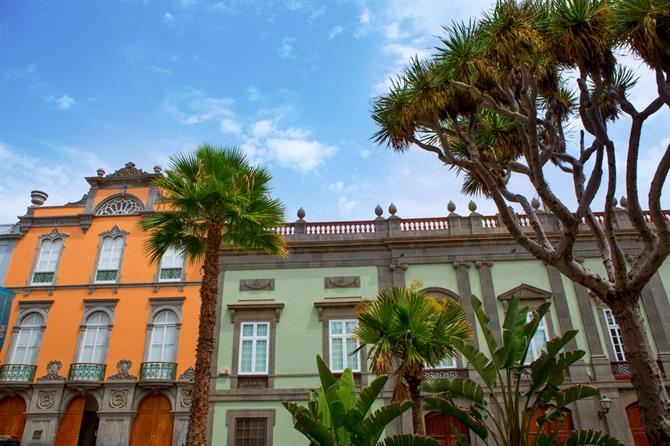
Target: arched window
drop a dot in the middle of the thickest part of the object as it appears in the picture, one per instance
(163, 342)
(110, 253)
(95, 338)
(28, 340)
(120, 205)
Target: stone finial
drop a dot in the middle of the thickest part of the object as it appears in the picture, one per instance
(301, 213)
(379, 211)
(472, 206)
(157, 169)
(100, 172)
(535, 203)
(624, 201)
(451, 207)
(38, 197)
(615, 202)
(393, 209)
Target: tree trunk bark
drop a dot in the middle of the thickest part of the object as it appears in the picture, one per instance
(197, 423)
(646, 375)
(415, 394)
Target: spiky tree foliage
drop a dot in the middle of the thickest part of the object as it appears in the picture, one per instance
(211, 198)
(335, 416)
(497, 100)
(407, 331)
(508, 417)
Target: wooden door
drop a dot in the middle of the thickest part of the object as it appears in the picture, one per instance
(153, 424)
(636, 428)
(68, 428)
(12, 416)
(445, 429)
(564, 427)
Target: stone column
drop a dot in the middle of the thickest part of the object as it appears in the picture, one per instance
(656, 305)
(600, 361)
(465, 292)
(577, 370)
(42, 413)
(398, 274)
(489, 297)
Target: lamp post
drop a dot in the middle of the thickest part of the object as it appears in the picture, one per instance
(605, 406)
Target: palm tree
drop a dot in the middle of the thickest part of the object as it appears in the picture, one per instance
(212, 198)
(407, 331)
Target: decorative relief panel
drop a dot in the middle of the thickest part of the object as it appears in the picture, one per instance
(46, 399)
(118, 399)
(186, 398)
(342, 282)
(257, 284)
(122, 368)
(53, 367)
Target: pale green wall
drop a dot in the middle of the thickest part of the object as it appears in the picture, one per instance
(434, 275)
(664, 272)
(299, 331)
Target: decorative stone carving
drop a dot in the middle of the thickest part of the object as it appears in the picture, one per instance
(53, 235)
(129, 170)
(122, 368)
(342, 282)
(188, 375)
(120, 205)
(378, 211)
(81, 201)
(186, 398)
(53, 367)
(257, 284)
(118, 399)
(46, 399)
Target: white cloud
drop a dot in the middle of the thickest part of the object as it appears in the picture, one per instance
(63, 102)
(365, 153)
(168, 18)
(334, 32)
(346, 205)
(302, 154)
(253, 93)
(336, 187)
(229, 125)
(286, 50)
(194, 106)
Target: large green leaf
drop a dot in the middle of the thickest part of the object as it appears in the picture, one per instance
(365, 400)
(330, 386)
(591, 437)
(372, 427)
(461, 414)
(346, 389)
(514, 341)
(574, 393)
(304, 422)
(484, 323)
(479, 361)
(459, 387)
(409, 440)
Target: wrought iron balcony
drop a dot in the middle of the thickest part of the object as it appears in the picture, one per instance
(433, 374)
(170, 274)
(17, 373)
(622, 371)
(86, 372)
(158, 371)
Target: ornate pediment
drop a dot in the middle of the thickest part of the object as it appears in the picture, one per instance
(525, 292)
(129, 170)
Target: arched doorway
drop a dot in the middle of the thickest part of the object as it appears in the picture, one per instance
(79, 425)
(12, 416)
(636, 428)
(445, 429)
(563, 427)
(153, 424)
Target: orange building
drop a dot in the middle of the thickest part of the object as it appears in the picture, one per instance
(100, 343)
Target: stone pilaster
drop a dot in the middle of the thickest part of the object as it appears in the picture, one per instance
(489, 297)
(464, 291)
(398, 274)
(656, 305)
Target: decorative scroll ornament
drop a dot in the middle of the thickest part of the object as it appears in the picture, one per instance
(118, 399)
(257, 284)
(186, 398)
(46, 399)
(188, 375)
(342, 282)
(129, 170)
(122, 374)
(53, 367)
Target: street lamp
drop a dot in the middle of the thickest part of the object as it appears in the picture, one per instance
(605, 406)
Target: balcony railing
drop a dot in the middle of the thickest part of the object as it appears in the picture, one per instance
(17, 373)
(158, 371)
(86, 372)
(621, 369)
(433, 374)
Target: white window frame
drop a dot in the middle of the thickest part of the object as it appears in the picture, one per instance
(448, 362)
(53, 259)
(33, 332)
(535, 350)
(254, 338)
(344, 336)
(161, 327)
(177, 258)
(119, 242)
(100, 332)
(614, 332)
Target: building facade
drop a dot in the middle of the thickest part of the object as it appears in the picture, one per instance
(100, 343)
(276, 314)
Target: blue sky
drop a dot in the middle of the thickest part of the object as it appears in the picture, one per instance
(85, 85)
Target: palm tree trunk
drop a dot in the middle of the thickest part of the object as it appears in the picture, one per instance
(417, 416)
(646, 376)
(197, 423)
